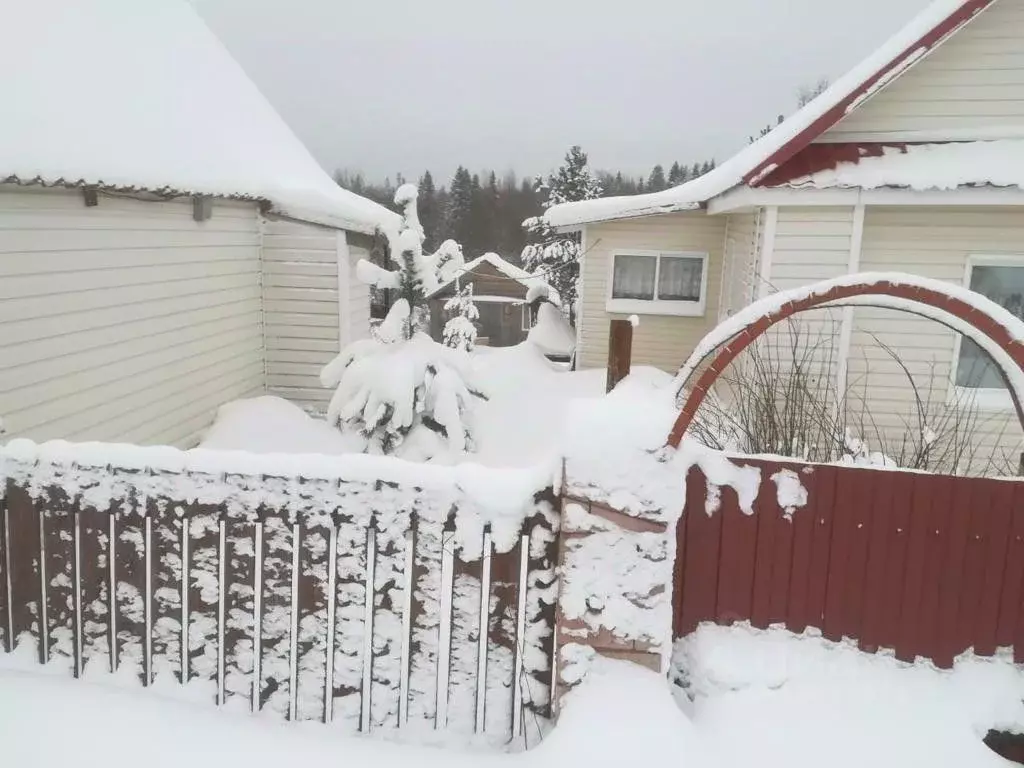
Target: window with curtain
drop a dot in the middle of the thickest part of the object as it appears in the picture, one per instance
(1003, 284)
(658, 283)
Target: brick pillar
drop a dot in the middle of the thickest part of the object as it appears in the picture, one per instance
(614, 595)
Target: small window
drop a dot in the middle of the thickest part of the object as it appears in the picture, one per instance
(1000, 279)
(658, 283)
(527, 319)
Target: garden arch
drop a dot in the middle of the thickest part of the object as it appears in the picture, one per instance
(991, 327)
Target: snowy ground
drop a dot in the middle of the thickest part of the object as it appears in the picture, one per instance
(519, 425)
(769, 699)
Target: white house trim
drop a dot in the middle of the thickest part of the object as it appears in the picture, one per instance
(344, 276)
(579, 295)
(846, 330)
(764, 272)
(742, 198)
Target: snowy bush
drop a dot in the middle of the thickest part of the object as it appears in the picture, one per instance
(401, 387)
(460, 330)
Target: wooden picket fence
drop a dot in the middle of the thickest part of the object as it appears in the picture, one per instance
(364, 604)
(926, 565)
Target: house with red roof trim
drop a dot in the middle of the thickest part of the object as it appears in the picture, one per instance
(913, 162)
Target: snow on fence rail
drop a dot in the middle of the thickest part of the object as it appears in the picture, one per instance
(359, 590)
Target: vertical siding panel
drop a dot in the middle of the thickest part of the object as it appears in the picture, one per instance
(736, 569)
(1009, 629)
(914, 618)
(987, 565)
(702, 539)
(821, 546)
(26, 595)
(937, 523)
(881, 536)
(860, 534)
(840, 572)
(896, 573)
(799, 613)
(952, 576)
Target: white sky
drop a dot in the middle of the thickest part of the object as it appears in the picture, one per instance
(402, 85)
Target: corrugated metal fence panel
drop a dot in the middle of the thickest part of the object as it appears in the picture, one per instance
(927, 565)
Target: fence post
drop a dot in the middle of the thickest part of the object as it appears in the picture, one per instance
(620, 351)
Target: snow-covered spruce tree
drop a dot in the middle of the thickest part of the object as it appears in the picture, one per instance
(460, 330)
(556, 254)
(400, 390)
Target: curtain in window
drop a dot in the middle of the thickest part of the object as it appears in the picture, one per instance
(633, 277)
(679, 279)
(1004, 286)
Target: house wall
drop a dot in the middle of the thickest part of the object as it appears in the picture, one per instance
(932, 242)
(739, 267)
(972, 85)
(305, 326)
(660, 341)
(126, 321)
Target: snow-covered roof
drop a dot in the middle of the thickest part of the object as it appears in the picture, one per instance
(140, 95)
(928, 166)
(505, 268)
(929, 29)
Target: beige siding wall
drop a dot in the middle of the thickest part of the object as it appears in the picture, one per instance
(973, 82)
(933, 243)
(739, 262)
(128, 321)
(661, 341)
(301, 291)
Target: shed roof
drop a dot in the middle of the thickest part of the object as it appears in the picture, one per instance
(140, 95)
(752, 165)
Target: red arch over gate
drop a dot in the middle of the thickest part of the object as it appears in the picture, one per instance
(905, 288)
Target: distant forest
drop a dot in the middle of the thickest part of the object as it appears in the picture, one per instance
(485, 212)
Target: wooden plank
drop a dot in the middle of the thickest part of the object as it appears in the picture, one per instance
(798, 614)
(844, 524)
(937, 524)
(276, 618)
(1010, 628)
(919, 532)
(982, 515)
(59, 558)
(4, 602)
(239, 607)
(388, 601)
(821, 546)
(425, 621)
(620, 351)
(881, 533)
(311, 642)
(896, 555)
(130, 588)
(350, 621)
(502, 638)
(203, 526)
(998, 539)
(863, 480)
(737, 560)
(94, 587)
(23, 550)
(167, 579)
(951, 572)
(465, 644)
(768, 517)
(702, 533)
(539, 628)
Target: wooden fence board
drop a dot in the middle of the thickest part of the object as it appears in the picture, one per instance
(502, 641)
(59, 559)
(276, 621)
(130, 588)
(699, 551)
(203, 526)
(388, 602)
(736, 567)
(23, 550)
(766, 516)
(167, 579)
(425, 621)
(465, 639)
(782, 553)
(859, 542)
(4, 602)
(896, 557)
(999, 539)
(350, 625)
(311, 642)
(951, 572)
(541, 594)
(239, 610)
(94, 587)
(799, 614)
(880, 530)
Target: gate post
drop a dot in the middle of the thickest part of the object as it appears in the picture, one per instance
(620, 351)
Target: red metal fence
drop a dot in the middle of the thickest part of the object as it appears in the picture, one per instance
(927, 565)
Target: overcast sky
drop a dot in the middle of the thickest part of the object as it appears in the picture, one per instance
(387, 86)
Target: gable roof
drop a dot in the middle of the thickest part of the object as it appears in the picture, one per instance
(505, 268)
(139, 95)
(753, 164)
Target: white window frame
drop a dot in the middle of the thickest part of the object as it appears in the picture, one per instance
(658, 306)
(525, 322)
(993, 400)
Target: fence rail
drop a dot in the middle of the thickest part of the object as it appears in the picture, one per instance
(926, 565)
(368, 604)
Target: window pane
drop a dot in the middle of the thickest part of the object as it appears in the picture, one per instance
(633, 277)
(1004, 286)
(679, 278)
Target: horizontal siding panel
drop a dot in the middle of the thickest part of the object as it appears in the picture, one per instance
(279, 308)
(301, 343)
(298, 253)
(128, 321)
(323, 294)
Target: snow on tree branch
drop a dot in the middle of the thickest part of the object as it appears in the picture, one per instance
(460, 330)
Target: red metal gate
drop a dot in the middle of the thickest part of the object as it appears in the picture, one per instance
(928, 565)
